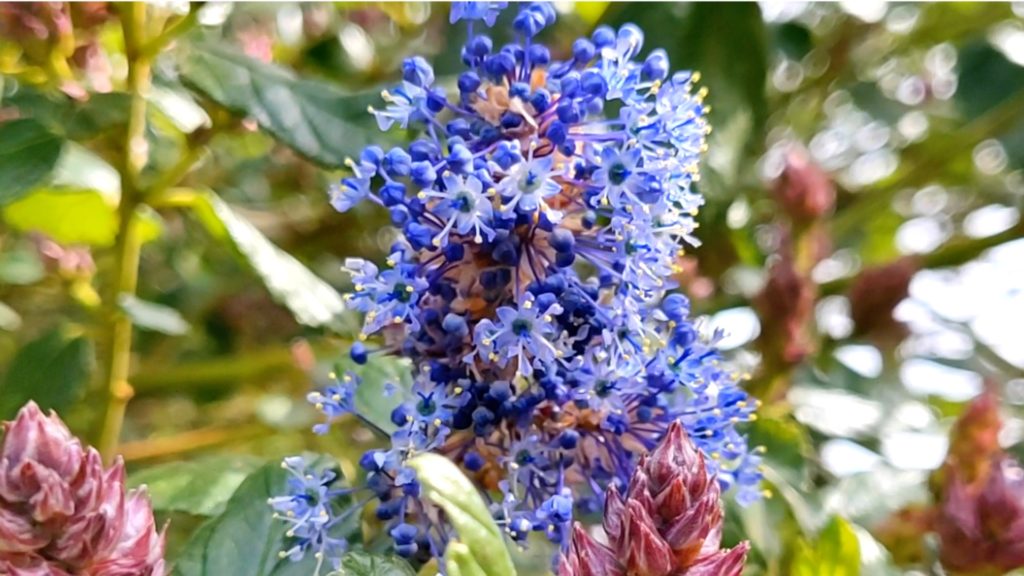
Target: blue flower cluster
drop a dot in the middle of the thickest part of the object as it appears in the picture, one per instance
(542, 215)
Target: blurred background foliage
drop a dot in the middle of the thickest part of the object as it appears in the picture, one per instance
(170, 268)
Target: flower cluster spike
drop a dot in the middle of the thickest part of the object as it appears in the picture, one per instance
(541, 216)
(62, 513)
(669, 523)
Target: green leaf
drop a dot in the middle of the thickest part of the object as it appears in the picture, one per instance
(50, 370)
(445, 485)
(460, 561)
(836, 553)
(199, 487)
(245, 539)
(314, 118)
(21, 266)
(27, 157)
(68, 215)
(153, 316)
(359, 563)
(313, 302)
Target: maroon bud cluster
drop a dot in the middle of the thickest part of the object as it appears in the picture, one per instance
(62, 513)
(981, 527)
(669, 523)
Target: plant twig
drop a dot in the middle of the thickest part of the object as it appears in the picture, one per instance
(128, 245)
(191, 441)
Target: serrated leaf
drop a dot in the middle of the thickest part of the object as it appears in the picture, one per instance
(445, 485)
(153, 316)
(313, 302)
(359, 563)
(199, 487)
(28, 154)
(314, 118)
(50, 370)
(245, 539)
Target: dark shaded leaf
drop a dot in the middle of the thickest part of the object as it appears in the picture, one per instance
(199, 487)
(50, 370)
(245, 539)
(358, 563)
(315, 118)
(28, 155)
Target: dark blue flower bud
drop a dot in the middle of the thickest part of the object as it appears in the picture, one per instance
(460, 159)
(568, 439)
(358, 353)
(562, 240)
(418, 235)
(454, 252)
(557, 132)
(372, 155)
(421, 150)
(603, 36)
(468, 82)
(511, 120)
(676, 307)
(368, 461)
(500, 65)
(568, 113)
(423, 174)
(399, 215)
(397, 163)
(583, 50)
(473, 461)
(506, 253)
(404, 533)
(392, 193)
(455, 324)
(569, 87)
(479, 46)
(417, 71)
(400, 415)
(529, 22)
(540, 100)
(594, 84)
(539, 55)
(519, 90)
(436, 100)
(655, 66)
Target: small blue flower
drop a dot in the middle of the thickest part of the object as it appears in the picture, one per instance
(486, 11)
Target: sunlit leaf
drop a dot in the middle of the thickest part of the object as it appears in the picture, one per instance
(312, 301)
(836, 552)
(445, 485)
(153, 316)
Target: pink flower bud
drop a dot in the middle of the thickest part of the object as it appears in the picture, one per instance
(138, 549)
(669, 523)
(29, 566)
(587, 557)
(18, 534)
(804, 191)
(981, 527)
(62, 513)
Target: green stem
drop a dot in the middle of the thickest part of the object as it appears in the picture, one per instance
(128, 245)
